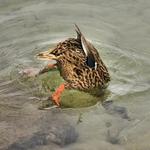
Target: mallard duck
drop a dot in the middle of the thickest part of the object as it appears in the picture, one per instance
(79, 64)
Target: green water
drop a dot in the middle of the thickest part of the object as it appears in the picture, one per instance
(119, 30)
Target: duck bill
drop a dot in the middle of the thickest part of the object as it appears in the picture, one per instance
(46, 56)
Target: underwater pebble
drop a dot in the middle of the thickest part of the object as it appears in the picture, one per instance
(113, 137)
(29, 72)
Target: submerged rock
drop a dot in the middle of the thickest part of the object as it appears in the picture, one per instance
(113, 109)
(61, 135)
(45, 84)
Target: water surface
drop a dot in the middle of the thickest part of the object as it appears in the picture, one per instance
(119, 30)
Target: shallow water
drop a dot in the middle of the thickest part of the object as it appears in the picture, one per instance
(119, 29)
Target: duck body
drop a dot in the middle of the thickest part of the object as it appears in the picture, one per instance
(79, 64)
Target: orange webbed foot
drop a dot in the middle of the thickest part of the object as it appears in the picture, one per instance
(56, 99)
(57, 94)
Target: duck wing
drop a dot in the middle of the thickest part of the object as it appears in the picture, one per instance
(92, 56)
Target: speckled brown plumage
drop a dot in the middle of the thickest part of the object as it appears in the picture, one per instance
(79, 64)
